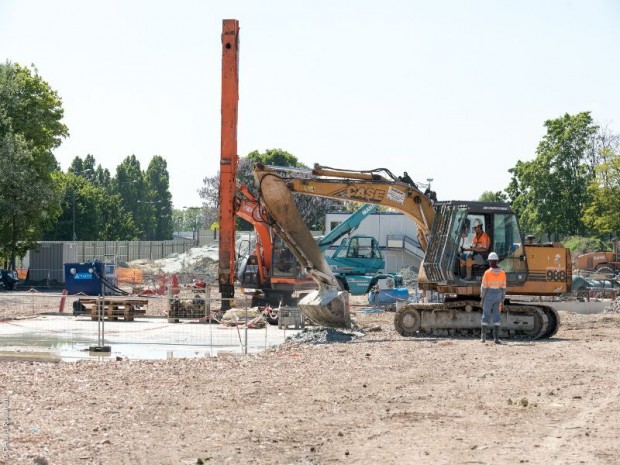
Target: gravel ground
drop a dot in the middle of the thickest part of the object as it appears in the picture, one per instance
(363, 397)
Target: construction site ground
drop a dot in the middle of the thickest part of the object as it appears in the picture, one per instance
(330, 397)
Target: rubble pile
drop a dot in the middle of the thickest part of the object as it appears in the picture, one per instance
(203, 260)
(410, 276)
(322, 335)
(614, 307)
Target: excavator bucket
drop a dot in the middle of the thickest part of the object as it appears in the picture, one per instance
(327, 307)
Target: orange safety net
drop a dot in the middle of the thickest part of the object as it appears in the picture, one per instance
(130, 275)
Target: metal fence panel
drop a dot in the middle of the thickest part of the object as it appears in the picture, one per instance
(46, 320)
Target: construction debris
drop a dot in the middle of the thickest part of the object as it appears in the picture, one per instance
(322, 335)
(252, 317)
(614, 307)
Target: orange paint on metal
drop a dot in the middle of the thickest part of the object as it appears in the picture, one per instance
(228, 155)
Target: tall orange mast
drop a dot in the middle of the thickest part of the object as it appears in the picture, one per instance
(228, 158)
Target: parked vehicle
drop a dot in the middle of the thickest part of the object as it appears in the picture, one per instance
(9, 279)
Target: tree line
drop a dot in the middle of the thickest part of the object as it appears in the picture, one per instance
(41, 202)
(570, 188)
(132, 204)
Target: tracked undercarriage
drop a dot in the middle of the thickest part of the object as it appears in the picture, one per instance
(462, 318)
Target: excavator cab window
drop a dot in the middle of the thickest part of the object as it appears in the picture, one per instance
(507, 243)
(479, 259)
(475, 220)
(363, 247)
(501, 227)
(283, 260)
(465, 228)
(446, 254)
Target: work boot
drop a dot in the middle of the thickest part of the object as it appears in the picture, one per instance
(483, 333)
(496, 334)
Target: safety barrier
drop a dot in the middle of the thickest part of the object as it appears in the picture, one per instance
(60, 323)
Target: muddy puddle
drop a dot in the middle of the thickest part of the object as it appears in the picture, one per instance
(85, 349)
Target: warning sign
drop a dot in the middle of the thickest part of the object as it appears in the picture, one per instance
(395, 195)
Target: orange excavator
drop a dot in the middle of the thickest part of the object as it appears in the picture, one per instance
(270, 270)
(444, 229)
(603, 263)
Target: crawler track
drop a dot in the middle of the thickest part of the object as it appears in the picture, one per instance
(462, 318)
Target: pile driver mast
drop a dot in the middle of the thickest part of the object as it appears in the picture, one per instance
(228, 159)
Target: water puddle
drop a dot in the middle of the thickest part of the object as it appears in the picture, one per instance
(73, 349)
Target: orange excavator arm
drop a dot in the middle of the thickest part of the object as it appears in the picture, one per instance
(250, 210)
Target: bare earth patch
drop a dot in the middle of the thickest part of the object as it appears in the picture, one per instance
(375, 398)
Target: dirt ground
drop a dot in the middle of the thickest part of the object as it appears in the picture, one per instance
(377, 399)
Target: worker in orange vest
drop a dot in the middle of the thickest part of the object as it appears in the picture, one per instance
(492, 294)
(480, 245)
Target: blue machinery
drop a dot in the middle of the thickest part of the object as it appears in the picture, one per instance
(92, 278)
(357, 262)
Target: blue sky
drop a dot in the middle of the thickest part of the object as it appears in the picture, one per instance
(456, 91)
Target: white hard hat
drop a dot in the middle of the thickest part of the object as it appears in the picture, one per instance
(493, 256)
(477, 223)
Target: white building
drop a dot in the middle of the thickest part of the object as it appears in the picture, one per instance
(396, 233)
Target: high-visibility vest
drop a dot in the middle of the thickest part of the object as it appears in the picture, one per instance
(484, 240)
(494, 278)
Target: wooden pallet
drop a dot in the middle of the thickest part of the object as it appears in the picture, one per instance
(114, 307)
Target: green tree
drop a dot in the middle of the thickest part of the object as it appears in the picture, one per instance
(159, 199)
(90, 170)
(130, 184)
(29, 202)
(30, 107)
(602, 214)
(189, 219)
(30, 127)
(101, 206)
(489, 196)
(277, 157)
(95, 213)
(115, 222)
(85, 168)
(77, 210)
(550, 192)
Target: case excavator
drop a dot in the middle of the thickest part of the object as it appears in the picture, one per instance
(444, 230)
